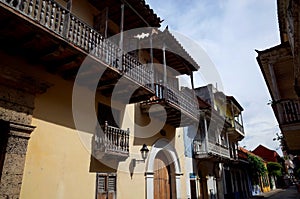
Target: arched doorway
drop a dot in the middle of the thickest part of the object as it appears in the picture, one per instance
(162, 178)
(163, 163)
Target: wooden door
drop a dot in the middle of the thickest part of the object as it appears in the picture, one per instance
(162, 182)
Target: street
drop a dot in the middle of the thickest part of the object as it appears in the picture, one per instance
(289, 193)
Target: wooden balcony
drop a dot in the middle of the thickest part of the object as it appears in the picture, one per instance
(181, 106)
(287, 112)
(206, 149)
(45, 33)
(236, 129)
(111, 142)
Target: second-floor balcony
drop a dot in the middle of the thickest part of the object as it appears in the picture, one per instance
(48, 34)
(111, 142)
(239, 127)
(204, 149)
(181, 106)
(236, 129)
(287, 111)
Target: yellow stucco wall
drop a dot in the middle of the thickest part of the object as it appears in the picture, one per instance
(58, 161)
(264, 181)
(58, 164)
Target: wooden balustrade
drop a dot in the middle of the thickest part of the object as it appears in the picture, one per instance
(136, 70)
(203, 149)
(47, 13)
(183, 100)
(288, 111)
(238, 127)
(59, 20)
(218, 149)
(112, 140)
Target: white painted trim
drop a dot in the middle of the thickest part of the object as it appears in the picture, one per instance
(172, 157)
(149, 185)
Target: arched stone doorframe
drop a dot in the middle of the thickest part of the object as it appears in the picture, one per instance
(165, 146)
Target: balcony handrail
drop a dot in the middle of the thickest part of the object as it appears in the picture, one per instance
(113, 139)
(136, 70)
(179, 98)
(212, 147)
(239, 126)
(185, 100)
(60, 21)
(288, 110)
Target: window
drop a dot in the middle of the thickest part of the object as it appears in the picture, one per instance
(106, 185)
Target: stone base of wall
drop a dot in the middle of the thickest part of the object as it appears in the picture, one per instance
(16, 109)
(14, 159)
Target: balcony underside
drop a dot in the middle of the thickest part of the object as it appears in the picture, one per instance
(287, 113)
(291, 133)
(235, 134)
(175, 116)
(25, 38)
(211, 157)
(110, 155)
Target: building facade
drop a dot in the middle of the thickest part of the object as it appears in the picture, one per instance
(258, 183)
(84, 116)
(280, 68)
(212, 158)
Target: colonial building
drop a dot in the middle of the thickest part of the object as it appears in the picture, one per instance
(257, 183)
(211, 158)
(267, 154)
(280, 68)
(85, 116)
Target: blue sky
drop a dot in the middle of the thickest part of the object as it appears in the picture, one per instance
(229, 31)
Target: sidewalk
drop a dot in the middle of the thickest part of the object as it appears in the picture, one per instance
(289, 193)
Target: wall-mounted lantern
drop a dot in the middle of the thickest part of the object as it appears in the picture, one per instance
(144, 151)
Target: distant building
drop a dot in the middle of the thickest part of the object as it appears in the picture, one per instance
(263, 184)
(267, 154)
(211, 149)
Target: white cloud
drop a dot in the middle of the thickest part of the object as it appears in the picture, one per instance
(230, 31)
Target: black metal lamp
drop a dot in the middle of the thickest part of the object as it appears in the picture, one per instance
(144, 151)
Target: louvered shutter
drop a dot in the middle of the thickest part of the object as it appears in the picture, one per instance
(111, 187)
(101, 186)
(106, 185)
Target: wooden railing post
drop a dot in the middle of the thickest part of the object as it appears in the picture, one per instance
(67, 19)
(127, 140)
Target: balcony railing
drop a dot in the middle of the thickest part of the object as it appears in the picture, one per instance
(113, 141)
(205, 149)
(64, 24)
(238, 127)
(182, 100)
(287, 111)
